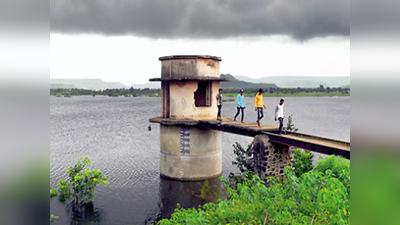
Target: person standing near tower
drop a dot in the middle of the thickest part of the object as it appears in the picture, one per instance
(219, 103)
(259, 105)
(240, 105)
(279, 115)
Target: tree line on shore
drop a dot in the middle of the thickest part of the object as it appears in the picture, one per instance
(157, 92)
(107, 92)
(320, 89)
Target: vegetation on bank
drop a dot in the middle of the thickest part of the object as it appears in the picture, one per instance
(309, 194)
(303, 161)
(316, 197)
(274, 92)
(297, 94)
(245, 159)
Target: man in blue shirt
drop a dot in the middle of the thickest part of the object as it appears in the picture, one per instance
(240, 105)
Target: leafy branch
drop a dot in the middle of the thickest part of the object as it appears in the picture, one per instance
(290, 126)
(78, 190)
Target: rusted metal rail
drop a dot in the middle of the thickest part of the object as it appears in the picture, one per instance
(312, 143)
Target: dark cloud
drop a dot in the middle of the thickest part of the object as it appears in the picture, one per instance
(300, 19)
(27, 13)
(374, 17)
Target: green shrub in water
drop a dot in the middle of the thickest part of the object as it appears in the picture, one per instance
(53, 218)
(79, 189)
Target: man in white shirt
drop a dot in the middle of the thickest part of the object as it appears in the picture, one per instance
(279, 115)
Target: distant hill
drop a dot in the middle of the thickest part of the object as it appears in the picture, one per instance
(65, 86)
(303, 81)
(151, 85)
(235, 83)
(85, 84)
(346, 86)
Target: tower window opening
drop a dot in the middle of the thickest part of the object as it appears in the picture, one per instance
(202, 96)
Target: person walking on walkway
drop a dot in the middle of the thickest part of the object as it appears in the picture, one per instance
(279, 115)
(259, 105)
(219, 103)
(240, 105)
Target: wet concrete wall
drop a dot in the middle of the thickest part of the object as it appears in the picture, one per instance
(202, 161)
(182, 102)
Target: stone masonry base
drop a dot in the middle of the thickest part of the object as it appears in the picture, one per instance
(270, 159)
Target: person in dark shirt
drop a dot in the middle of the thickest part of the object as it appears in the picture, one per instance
(219, 103)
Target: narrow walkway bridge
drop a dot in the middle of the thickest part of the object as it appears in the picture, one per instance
(191, 149)
(304, 141)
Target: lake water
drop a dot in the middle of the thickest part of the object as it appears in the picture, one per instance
(113, 132)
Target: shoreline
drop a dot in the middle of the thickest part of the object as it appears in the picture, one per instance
(233, 95)
(302, 94)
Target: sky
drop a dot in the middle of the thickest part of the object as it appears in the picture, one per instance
(122, 40)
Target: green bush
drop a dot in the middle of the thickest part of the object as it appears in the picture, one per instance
(340, 168)
(244, 161)
(290, 126)
(80, 187)
(311, 195)
(53, 218)
(314, 198)
(303, 161)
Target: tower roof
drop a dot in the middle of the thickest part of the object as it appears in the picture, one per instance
(190, 57)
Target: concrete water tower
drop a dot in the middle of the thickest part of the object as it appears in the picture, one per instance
(189, 85)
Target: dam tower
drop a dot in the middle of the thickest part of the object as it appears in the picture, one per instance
(189, 85)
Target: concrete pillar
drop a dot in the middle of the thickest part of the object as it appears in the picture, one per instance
(187, 194)
(270, 159)
(189, 86)
(189, 153)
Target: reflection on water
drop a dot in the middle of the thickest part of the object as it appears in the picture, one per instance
(82, 213)
(113, 133)
(186, 194)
